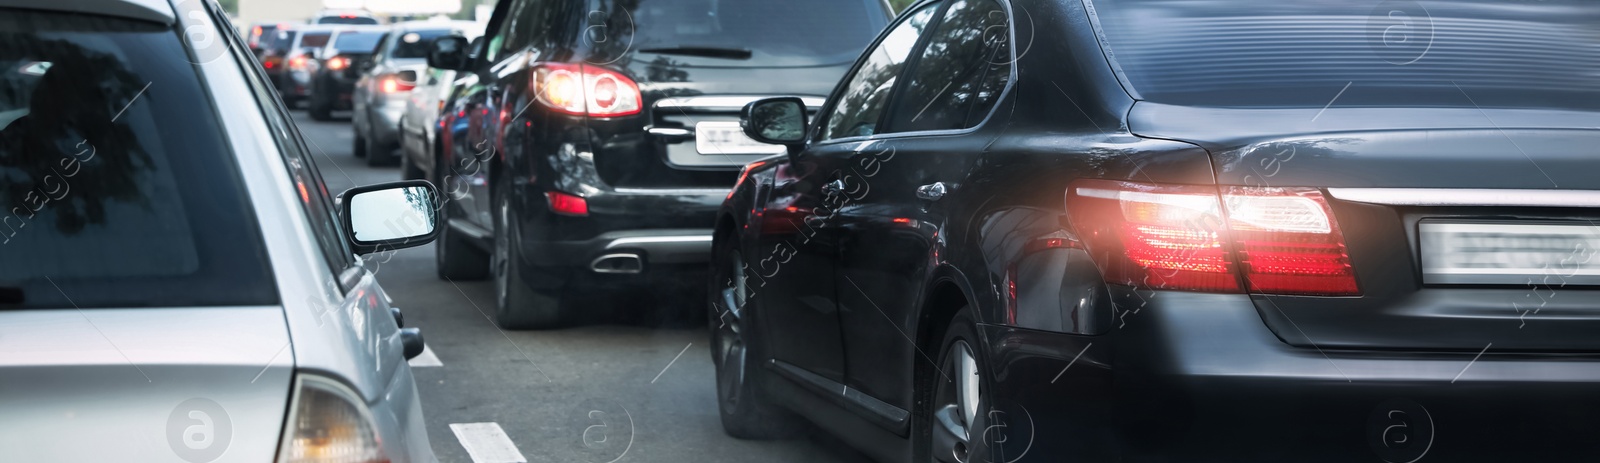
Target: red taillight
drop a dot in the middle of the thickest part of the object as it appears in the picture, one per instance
(269, 63)
(338, 62)
(391, 83)
(1187, 237)
(585, 90)
(565, 204)
(298, 62)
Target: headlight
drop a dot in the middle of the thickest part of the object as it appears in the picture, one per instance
(328, 423)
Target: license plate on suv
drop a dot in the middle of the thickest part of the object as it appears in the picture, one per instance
(1510, 253)
(713, 138)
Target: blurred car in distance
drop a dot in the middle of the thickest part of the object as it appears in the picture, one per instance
(424, 121)
(300, 60)
(274, 54)
(596, 157)
(182, 275)
(338, 67)
(388, 80)
(352, 17)
(260, 32)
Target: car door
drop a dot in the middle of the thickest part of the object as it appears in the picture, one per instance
(891, 235)
(478, 104)
(798, 244)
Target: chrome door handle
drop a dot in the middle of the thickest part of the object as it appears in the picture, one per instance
(932, 191)
(833, 187)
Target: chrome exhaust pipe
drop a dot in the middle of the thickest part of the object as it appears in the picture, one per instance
(624, 263)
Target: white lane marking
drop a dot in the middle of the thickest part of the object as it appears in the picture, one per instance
(427, 359)
(487, 443)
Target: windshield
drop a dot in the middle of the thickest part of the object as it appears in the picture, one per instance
(116, 187)
(414, 44)
(1501, 53)
(314, 40)
(358, 42)
(773, 32)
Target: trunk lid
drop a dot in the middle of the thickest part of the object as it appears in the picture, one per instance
(143, 384)
(1498, 193)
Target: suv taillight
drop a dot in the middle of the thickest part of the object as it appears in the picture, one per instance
(585, 90)
(1204, 238)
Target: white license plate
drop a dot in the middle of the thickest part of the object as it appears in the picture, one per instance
(712, 138)
(1504, 253)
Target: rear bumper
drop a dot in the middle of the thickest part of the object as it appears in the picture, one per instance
(383, 121)
(1199, 377)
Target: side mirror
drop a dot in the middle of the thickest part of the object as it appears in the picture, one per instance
(449, 53)
(776, 121)
(390, 216)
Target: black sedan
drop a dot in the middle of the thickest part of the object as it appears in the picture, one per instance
(1151, 230)
(333, 79)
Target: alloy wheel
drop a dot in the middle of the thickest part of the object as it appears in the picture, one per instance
(729, 309)
(956, 402)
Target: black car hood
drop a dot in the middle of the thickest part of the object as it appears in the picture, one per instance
(1386, 147)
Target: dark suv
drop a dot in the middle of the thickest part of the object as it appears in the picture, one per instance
(602, 136)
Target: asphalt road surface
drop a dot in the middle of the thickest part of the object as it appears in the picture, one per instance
(598, 393)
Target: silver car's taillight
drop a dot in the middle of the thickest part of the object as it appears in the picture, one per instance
(328, 423)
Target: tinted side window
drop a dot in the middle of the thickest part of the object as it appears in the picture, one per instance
(961, 72)
(313, 193)
(858, 107)
(514, 31)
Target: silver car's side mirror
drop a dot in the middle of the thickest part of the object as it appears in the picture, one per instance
(390, 216)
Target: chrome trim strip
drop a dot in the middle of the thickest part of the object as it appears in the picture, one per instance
(723, 103)
(1468, 197)
(594, 265)
(642, 240)
(863, 404)
(673, 191)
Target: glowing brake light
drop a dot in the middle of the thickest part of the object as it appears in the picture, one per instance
(391, 83)
(1205, 238)
(585, 90)
(566, 204)
(298, 62)
(338, 62)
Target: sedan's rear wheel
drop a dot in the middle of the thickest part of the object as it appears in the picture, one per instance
(358, 146)
(747, 412)
(956, 409)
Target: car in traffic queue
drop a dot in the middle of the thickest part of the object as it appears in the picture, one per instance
(175, 268)
(1144, 230)
(358, 17)
(603, 136)
(338, 67)
(388, 81)
(260, 32)
(300, 61)
(424, 123)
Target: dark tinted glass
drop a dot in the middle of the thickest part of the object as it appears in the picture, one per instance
(858, 109)
(281, 41)
(346, 20)
(117, 187)
(414, 44)
(774, 32)
(357, 42)
(1501, 53)
(961, 72)
(314, 40)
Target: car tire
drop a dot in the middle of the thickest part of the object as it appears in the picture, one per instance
(358, 146)
(455, 256)
(518, 306)
(946, 410)
(746, 409)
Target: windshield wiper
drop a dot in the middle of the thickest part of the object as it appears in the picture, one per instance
(709, 52)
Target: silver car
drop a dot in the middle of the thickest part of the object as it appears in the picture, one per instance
(394, 70)
(176, 283)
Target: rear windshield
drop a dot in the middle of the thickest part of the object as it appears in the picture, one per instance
(346, 20)
(358, 42)
(774, 32)
(414, 44)
(281, 41)
(116, 186)
(1456, 53)
(314, 40)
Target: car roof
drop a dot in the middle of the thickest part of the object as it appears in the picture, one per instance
(149, 10)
